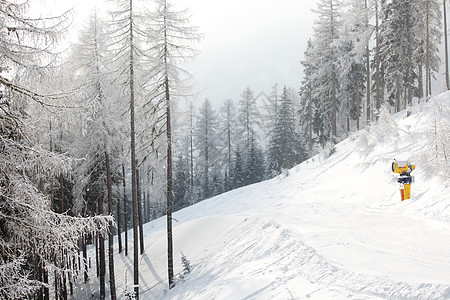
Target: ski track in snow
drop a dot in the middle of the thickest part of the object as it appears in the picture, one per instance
(331, 229)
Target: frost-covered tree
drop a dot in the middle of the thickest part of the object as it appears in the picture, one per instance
(207, 146)
(248, 118)
(100, 143)
(326, 34)
(353, 58)
(308, 103)
(286, 147)
(227, 131)
(34, 240)
(429, 33)
(396, 51)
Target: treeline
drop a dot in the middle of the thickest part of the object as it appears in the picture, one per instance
(364, 55)
(238, 144)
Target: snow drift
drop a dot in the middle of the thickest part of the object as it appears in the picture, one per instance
(331, 228)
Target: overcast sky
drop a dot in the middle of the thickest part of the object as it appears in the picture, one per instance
(254, 43)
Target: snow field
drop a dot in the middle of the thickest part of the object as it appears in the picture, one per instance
(332, 228)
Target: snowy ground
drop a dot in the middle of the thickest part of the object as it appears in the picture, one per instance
(331, 228)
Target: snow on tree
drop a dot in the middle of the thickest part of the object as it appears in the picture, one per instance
(326, 34)
(286, 147)
(396, 51)
(34, 240)
(207, 141)
(227, 131)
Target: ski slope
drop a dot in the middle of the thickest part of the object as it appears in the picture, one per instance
(330, 228)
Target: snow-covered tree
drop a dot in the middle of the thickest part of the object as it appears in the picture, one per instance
(34, 240)
(396, 51)
(286, 147)
(326, 34)
(207, 141)
(227, 131)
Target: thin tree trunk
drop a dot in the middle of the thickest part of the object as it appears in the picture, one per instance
(139, 203)
(368, 84)
(86, 273)
(125, 214)
(377, 60)
(133, 160)
(112, 279)
(119, 225)
(101, 248)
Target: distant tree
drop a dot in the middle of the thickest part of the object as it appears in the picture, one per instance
(308, 103)
(254, 170)
(207, 145)
(227, 132)
(286, 146)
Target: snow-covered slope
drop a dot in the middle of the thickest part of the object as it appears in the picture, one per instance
(331, 228)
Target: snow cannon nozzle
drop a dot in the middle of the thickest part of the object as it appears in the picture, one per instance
(404, 168)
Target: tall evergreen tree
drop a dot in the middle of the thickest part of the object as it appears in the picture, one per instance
(326, 33)
(396, 50)
(286, 148)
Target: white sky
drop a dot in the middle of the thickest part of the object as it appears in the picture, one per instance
(254, 43)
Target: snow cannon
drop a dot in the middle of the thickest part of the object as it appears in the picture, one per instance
(404, 169)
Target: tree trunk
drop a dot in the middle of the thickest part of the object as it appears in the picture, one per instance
(101, 247)
(139, 204)
(112, 280)
(368, 87)
(125, 214)
(377, 60)
(133, 159)
(86, 274)
(169, 163)
(119, 226)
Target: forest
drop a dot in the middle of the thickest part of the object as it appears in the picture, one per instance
(105, 136)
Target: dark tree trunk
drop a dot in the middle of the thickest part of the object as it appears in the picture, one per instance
(101, 247)
(133, 160)
(125, 214)
(112, 279)
(85, 262)
(139, 203)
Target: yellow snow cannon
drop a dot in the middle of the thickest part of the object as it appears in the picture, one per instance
(404, 168)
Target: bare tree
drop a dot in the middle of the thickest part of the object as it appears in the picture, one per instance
(171, 36)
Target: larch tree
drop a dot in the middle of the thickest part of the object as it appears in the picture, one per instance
(227, 132)
(34, 240)
(206, 140)
(125, 36)
(171, 46)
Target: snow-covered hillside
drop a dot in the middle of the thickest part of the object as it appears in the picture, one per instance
(331, 228)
